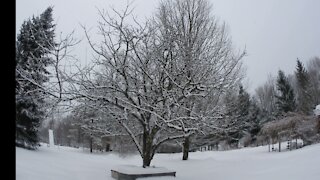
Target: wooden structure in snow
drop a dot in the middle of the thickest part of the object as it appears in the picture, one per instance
(51, 138)
(127, 172)
(292, 126)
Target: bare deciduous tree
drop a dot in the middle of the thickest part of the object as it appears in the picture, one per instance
(204, 64)
(266, 96)
(159, 82)
(313, 68)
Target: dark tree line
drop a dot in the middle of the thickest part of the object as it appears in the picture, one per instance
(34, 42)
(292, 96)
(278, 98)
(300, 94)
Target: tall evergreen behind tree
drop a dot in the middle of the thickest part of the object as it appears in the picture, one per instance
(285, 100)
(231, 116)
(243, 102)
(243, 108)
(304, 101)
(249, 115)
(34, 42)
(237, 111)
(255, 117)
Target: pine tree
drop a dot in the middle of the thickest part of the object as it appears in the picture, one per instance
(303, 89)
(231, 117)
(243, 107)
(254, 118)
(237, 111)
(285, 100)
(35, 41)
(243, 102)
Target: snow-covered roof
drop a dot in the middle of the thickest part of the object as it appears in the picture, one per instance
(131, 169)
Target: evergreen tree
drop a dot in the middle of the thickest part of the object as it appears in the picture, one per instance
(254, 117)
(243, 111)
(285, 100)
(303, 89)
(35, 41)
(243, 102)
(231, 118)
(237, 107)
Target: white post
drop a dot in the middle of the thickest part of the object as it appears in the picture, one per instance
(51, 140)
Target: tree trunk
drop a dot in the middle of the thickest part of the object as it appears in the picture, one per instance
(107, 147)
(186, 144)
(279, 145)
(79, 141)
(147, 149)
(90, 145)
(147, 156)
(146, 161)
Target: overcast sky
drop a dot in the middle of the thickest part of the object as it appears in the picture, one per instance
(274, 32)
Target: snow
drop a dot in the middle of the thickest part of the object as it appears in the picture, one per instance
(65, 163)
(317, 110)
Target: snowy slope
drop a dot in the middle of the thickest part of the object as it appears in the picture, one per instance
(66, 163)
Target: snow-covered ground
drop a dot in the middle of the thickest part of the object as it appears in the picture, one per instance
(65, 163)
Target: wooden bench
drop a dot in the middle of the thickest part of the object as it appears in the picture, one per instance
(134, 172)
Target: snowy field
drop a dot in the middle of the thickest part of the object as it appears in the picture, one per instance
(65, 163)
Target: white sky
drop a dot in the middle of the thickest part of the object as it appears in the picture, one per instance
(274, 32)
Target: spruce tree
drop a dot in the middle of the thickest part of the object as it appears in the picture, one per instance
(237, 112)
(34, 42)
(243, 107)
(243, 102)
(231, 117)
(254, 118)
(304, 101)
(285, 101)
